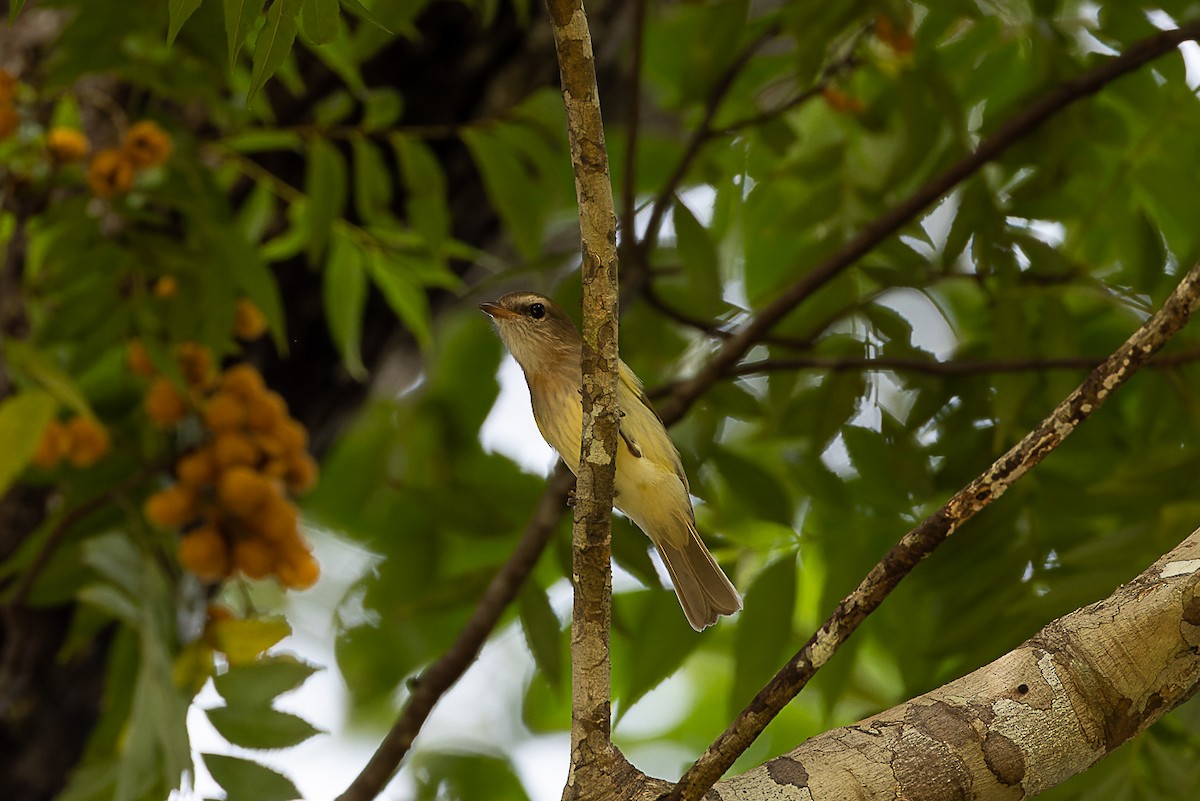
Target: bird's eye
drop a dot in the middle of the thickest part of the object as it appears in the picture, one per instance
(537, 310)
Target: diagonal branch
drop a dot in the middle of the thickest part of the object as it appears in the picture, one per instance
(1014, 129)
(935, 529)
(1043, 712)
(440, 676)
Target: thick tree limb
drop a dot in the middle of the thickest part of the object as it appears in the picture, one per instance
(1014, 129)
(1028, 721)
(436, 679)
(591, 745)
(935, 529)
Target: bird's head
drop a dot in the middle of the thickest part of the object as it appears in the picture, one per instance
(535, 329)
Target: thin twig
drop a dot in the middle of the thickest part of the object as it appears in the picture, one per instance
(954, 368)
(436, 679)
(935, 529)
(701, 135)
(1014, 129)
(633, 115)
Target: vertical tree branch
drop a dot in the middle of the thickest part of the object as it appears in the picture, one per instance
(591, 745)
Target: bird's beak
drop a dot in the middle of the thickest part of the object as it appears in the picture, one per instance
(496, 311)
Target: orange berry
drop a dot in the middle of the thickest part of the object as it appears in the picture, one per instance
(10, 121)
(197, 469)
(254, 557)
(138, 358)
(301, 474)
(299, 571)
(248, 320)
(166, 287)
(8, 86)
(243, 381)
(265, 410)
(841, 102)
(243, 490)
(146, 145)
(217, 613)
(276, 521)
(277, 466)
(67, 145)
(53, 446)
(224, 412)
(164, 405)
(196, 362)
(292, 435)
(89, 441)
(204, 552)
(899, 39)
(110, 173)
(172, 506)
(231, 448)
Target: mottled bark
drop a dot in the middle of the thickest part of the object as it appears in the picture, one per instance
(591, 745)
(1038, 715)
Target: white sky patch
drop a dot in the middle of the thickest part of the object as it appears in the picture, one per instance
(510, 430)
(930, 331)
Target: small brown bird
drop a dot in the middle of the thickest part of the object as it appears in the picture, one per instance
(651, 487)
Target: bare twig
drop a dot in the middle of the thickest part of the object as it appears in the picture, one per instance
(633, 118)
(935, 529)
(703, 132)
(436, 679)
(959, 367)
(1014, 129)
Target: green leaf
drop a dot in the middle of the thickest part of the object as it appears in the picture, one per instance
(178, 12)
(695, 247)
(246, 780)
(465, 776)
(381, 109)
(426, 185)
(372, 182)
(753, 488)
(406, 298)
(660, 640)
(14, 8)
(23, 418)
(274, 43)
(36, 366)
(359, 10)
(239, 18)
(543, 632)
(319, 20)
(256, 684)
(345, 296)
(325, 186)
(513, 192)
(260, 728)
(764, 630)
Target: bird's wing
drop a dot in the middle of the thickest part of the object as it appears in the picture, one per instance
(631, 391)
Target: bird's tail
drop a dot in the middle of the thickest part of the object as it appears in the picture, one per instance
(703, 589)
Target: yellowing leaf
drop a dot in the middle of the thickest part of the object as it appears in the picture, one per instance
(243, 641)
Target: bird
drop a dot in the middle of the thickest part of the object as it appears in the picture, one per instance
(651, 485)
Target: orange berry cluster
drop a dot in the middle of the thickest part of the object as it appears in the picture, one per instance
(112, 170)
(231, 492)
(82, 441)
